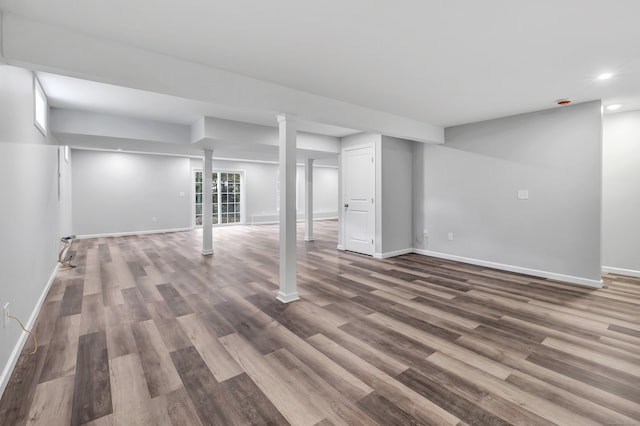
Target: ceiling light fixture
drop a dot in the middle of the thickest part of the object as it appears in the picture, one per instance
(613, 107)
(605, 76)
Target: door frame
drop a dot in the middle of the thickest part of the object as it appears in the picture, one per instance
(341, 209)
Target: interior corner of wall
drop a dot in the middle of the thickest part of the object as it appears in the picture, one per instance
(2, 60)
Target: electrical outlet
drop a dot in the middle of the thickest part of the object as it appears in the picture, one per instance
(5, 315)
(425, 234)
(450, 236)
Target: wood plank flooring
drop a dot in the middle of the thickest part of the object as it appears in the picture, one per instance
(147, 331)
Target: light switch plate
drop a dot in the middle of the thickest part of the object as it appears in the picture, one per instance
(523, 194)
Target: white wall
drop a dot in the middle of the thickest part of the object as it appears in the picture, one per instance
(260, 189)
(468, 187)
(117, 192)
(621, 196)
(397, 194)
(105, 125)
(325, 191)
(32, 215)
(393, 192)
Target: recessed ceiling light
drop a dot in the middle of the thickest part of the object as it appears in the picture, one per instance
(605, 76)
(613, 107)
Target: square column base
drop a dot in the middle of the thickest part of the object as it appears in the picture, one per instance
(287, 298)
(207, 252)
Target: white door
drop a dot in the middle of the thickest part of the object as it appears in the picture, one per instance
(358, 197)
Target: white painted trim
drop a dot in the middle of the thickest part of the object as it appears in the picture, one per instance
(218, 171)
(275, 222)
(621, 271)
(392, 253)
(126, 234)
(38, 91)
(343, 186)
(15, 353)
(321, 166)
(287, 298)
(517, 269)
(241, 160)
(207, 252)
(340, 247)
(130, 151)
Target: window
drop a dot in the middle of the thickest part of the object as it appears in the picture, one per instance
(226, 196)
(40, 107)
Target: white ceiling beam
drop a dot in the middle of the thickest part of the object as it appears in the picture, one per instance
(43, 47)
(230, 131)
(106, 125)
(84, 129)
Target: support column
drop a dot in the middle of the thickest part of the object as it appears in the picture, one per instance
(340, 209)
(308, 199)
(207, 205)
(288, 286)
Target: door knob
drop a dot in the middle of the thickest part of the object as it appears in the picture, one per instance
(346, 206)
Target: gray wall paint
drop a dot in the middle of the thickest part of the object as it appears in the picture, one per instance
(116, 192)
(91, 123)
(32, 217)
(325, 190)
(621, 196)
(393, 191)
(470, 184)
(260, 187)
(360, 139)
(396, 194)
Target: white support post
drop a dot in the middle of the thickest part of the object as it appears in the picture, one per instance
(340, 209)
(207, 204)
(288, 286)
(308, 200)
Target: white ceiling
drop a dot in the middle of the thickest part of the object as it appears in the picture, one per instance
(444, 62)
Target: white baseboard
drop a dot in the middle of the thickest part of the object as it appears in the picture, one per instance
(275, 222)
(517, 269)
(129, 233)
(621, 271)
(320, 219)
(274, 218)
(340, 247)
(17, 349)
(392, 253)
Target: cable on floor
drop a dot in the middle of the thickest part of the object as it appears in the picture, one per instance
(35, 340)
